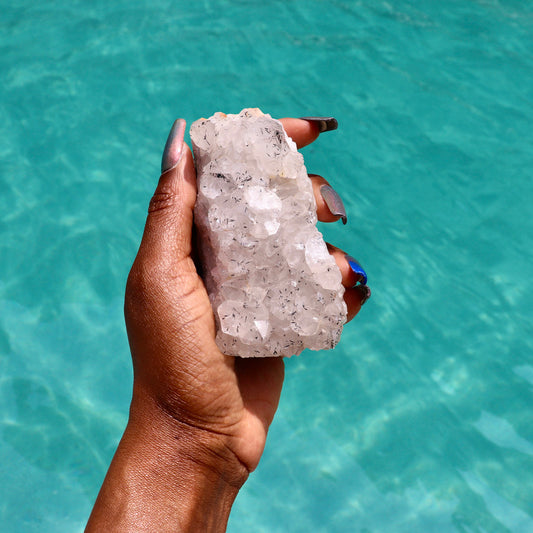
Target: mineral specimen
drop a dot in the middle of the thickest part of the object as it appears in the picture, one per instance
(274, 287)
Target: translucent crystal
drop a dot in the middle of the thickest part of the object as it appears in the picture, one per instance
(274, 287)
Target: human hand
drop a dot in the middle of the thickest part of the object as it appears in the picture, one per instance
(190, 399)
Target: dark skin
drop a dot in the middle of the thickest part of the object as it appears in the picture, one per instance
(198, 418)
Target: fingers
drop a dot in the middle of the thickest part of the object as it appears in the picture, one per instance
(353, 279)
(168, 229)
(355, 298)
(304, 131)
(168, 232)
(169, 223)
(352, 272)
(329, 206)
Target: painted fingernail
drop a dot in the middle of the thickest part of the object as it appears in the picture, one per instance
(364, 291)
(334, 202)
(174, 146)
(323, 123)
(357, 269)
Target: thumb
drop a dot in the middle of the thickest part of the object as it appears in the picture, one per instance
(168, 229)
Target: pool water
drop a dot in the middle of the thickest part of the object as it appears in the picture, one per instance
(421, 420)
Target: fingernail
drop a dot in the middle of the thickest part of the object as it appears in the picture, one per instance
(174, 146)
(364, 291)
(334, 202)
(323, 123)
(357, 269)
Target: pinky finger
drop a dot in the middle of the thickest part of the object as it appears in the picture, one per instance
(355, 297)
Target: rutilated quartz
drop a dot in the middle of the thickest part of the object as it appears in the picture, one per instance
(273, 286)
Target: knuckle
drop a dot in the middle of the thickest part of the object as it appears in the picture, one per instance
(142, 283)
(136, 289)
(150, 280)
(161, 200)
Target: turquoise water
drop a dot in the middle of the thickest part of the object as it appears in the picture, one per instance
(420, 421)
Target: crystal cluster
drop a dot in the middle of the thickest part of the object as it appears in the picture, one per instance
(274, 287)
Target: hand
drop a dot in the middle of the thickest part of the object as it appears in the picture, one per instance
(191, 403)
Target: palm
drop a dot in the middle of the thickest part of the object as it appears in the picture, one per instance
(221, 394)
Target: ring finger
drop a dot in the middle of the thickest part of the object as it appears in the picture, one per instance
(329, 205)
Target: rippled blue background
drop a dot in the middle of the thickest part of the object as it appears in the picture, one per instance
(420, 421)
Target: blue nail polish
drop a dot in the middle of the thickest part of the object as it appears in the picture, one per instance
(357, 269)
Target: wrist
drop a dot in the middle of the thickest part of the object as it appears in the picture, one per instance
(167, 476)
(207, 451)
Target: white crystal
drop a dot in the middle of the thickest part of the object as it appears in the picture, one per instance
(274, 287)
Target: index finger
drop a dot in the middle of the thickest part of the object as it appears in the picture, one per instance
(304, 131)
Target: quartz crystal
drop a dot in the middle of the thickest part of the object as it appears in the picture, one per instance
(274, 287)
